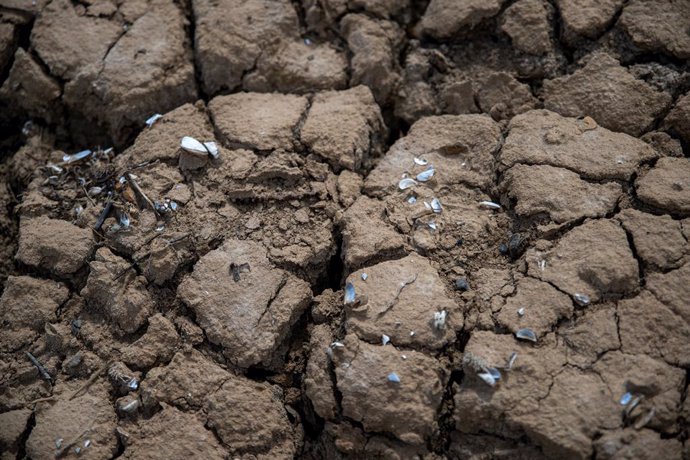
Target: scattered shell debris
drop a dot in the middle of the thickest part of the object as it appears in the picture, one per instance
(420, 161)
(521, 311)
(412, 199)
(526, 334)
(432, 225)
(406, 183)
(393, 377)
(193, 146)
(385, 340)
(337, 345)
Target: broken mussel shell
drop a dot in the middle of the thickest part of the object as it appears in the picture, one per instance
(490, 376)
(426, 175)
(393, 377)
(526, 334)
(406, 183)
(193, 146)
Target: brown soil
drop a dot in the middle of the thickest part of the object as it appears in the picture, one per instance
(317, 290)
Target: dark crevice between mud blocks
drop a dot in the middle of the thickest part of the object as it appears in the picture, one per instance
(21, 451)
(440, 441)
(333, 278)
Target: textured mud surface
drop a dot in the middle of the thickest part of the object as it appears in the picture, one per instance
(445, 229)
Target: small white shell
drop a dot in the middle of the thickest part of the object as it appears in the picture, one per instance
(124, 220)
(412, 199)
(349, 294)
(393, 377)
(581, 299)
(154, 118)
(432, 225)
(426, 175)
(489, 204)
(440, 319)
(487, 378)
(526, 334)
(93, 191)
(406, 183)
(337, 345)
(385, 339)
(192, 145)
(625, 399)
(427, 205)
(420, 161)
(76, 156)
(87, 444)
(495, 373)
(133, 384)
(521, 311)
(364, 276)
(436, 206)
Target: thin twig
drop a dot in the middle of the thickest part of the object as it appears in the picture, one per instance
(104, 215)
(141, 193)
(89, 382)
(402, 286)
(45, 375)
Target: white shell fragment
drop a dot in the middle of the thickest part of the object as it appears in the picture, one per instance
(393, 377)
(76, 156)
(195, 147)
(521, 311)
(133, 384)
(489, 204)
(407, 183)
(93, 191)
(427, 205)
(124, 220)
(420, 161)
(436, 206)
(364, 276)
(440, 319)
(487, 378)
(625, 399)
(432, 225)
(87, 443)
(412, 199)
(349, 294)
(426, 175)
(526, 334)
(385, 340)
(337, 345)
(153, 119)
(495, 373)
(581, 299)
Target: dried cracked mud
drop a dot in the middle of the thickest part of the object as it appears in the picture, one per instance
(445, 229)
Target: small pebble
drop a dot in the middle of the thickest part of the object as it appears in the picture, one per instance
(461, 284)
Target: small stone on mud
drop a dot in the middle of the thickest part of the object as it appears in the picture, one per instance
(461, 284)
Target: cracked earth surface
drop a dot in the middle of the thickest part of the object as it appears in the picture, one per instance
(291, 297)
